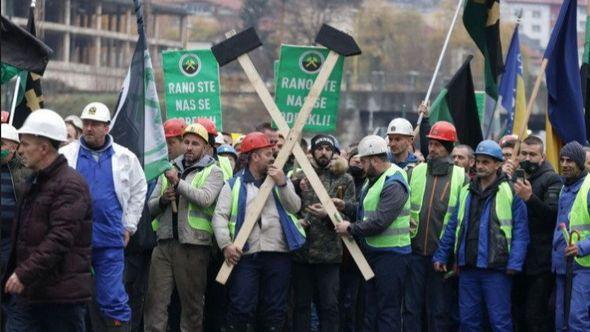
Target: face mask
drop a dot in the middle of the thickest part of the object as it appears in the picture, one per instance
(355, 171)
(4, 153)
(529, 167)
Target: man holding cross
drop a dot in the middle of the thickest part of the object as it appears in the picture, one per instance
(260, 282)
(383, 223)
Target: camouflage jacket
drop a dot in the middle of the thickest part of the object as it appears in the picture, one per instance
(323, 245)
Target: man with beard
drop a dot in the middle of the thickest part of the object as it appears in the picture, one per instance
(184, 237)
(434, 195)
(490, 235)
(317, 265)
(540, 192)
(259, 284)
(383, 225)
(572, 211)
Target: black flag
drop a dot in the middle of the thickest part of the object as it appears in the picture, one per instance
(30, 95)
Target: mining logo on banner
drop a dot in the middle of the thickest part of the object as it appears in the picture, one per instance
(192, 85)
(297, 70)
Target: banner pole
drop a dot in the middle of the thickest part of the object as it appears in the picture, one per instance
(14, 98)
(439, 62)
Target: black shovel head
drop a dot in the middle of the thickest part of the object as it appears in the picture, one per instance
(239, 44)
(337, 41)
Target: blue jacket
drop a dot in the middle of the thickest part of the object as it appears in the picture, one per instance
(566, 200)
(96, 167)
(520, 236)
(294, 238)
(412, 159)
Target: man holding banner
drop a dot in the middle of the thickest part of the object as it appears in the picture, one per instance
(184, 236)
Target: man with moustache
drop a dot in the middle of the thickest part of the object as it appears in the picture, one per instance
(259, 285)
(489, 234)
(317, 265)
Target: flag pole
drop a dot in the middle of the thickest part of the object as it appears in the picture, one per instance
(14, 98)
(489, 127)
(438, 64)
(529, 107)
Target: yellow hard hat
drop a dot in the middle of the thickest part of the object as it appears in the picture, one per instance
(197, 129)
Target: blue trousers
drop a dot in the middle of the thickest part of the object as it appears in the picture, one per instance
(260, 284)
(579, 317)
(427, 291)
(384, 292)
(47, 317)
(110, 295)
(479, 287)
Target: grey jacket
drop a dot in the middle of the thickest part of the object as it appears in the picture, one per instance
(267, 234)
(203, 197)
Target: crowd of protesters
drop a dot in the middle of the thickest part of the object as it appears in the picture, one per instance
(479, 238)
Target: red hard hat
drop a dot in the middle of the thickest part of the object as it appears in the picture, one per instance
(208, 124)
(254, 141)
(5, 116)
(443, 131)
(174, 128)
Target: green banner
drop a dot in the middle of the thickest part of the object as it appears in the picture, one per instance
(297, 70)
(192, 85)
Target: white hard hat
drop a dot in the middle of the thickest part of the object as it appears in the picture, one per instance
(219, 139)
(46, 123)
(75, 121)
(9, 132)
(400, 126)
(96, 111)
(372, 145)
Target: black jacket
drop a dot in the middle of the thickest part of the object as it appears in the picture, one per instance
(542, 213)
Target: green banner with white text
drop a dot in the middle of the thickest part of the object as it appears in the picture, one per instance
(191, 79)
(297, 70)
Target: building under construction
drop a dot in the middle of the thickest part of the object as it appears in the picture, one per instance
(93, 40)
